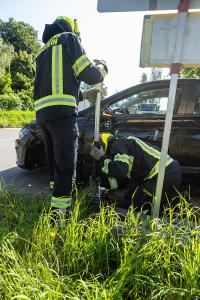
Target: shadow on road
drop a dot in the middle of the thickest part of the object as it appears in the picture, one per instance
(35, 181)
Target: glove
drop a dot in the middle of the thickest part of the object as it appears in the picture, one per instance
(101, 65)
(97, 153)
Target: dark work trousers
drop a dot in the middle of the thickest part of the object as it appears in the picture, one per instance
(140, 195)
(61, 142)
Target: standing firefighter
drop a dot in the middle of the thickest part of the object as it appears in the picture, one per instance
(130, 167)
(60, 67)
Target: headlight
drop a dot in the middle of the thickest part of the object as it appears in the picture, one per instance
(24, 132)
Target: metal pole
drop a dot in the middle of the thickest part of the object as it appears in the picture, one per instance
(175, 68)
(97, 113)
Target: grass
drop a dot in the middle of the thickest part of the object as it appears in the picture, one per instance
(15, 118)
(96, 256)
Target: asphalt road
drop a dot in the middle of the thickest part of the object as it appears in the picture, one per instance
(35, 181)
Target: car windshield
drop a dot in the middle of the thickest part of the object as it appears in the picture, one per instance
(148, 106)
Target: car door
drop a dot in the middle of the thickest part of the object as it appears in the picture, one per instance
(127, 118)
(189, 109)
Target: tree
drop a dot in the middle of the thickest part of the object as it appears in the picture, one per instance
(156, 74)
(6, 84)
(190, 72)
(20, 35)
(143, 78)
(6, 55)
(22, 71)
(18, 47)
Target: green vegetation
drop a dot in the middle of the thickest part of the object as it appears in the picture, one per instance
(93, 257)
(19, 46)
(15, 118)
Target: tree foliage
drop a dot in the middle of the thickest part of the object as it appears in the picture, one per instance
(156, 74)
(190, 73)
(6, 56)
(19, 45)
(20, 35)
(5, 84)
(144, 78)
(10, 102)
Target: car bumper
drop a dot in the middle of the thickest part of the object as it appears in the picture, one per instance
(30, 153)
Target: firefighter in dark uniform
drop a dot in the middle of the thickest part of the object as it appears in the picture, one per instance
(60, 67)
(130, 166)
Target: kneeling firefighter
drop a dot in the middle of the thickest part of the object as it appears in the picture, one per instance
(60, 67)
(129, 166)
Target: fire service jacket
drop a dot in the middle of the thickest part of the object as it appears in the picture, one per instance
(129, 160)
(60, 66)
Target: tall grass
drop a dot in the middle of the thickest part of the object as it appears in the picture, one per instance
(96, 255)
(15, 118)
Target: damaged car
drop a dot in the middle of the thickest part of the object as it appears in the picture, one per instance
(140, 111)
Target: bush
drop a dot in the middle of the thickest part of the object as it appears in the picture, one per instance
(5, 84)
(27, 101)
(10, 102)
(16, 118)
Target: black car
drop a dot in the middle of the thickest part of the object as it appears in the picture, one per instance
(121, 115)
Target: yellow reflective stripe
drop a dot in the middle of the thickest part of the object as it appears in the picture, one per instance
(53, 71)
(54, 103)
(130, 166)
(53, 100)
(122, 157)
(64, 96)
(155, 169)
(61, 202)
(153, 152)
(80, 64)
(52, 42)
(60, 71)
(87, 63)
(105, 166)
(105, 137)
(128, 159)
(113, 183)
(57, 70)
(150, 150)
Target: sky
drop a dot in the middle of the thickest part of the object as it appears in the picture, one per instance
(114, 37)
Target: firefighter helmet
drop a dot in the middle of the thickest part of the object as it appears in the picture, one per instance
(67, 24)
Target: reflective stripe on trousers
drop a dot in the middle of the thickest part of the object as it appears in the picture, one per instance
(61, 202)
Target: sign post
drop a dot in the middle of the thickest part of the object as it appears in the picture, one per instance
(175, 69)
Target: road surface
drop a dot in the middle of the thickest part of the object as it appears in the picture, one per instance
(35, 181)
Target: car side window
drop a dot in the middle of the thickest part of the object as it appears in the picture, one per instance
(149, 106)
(147, 102)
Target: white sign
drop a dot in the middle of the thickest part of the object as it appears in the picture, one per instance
(159, 37)
(141, 5)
